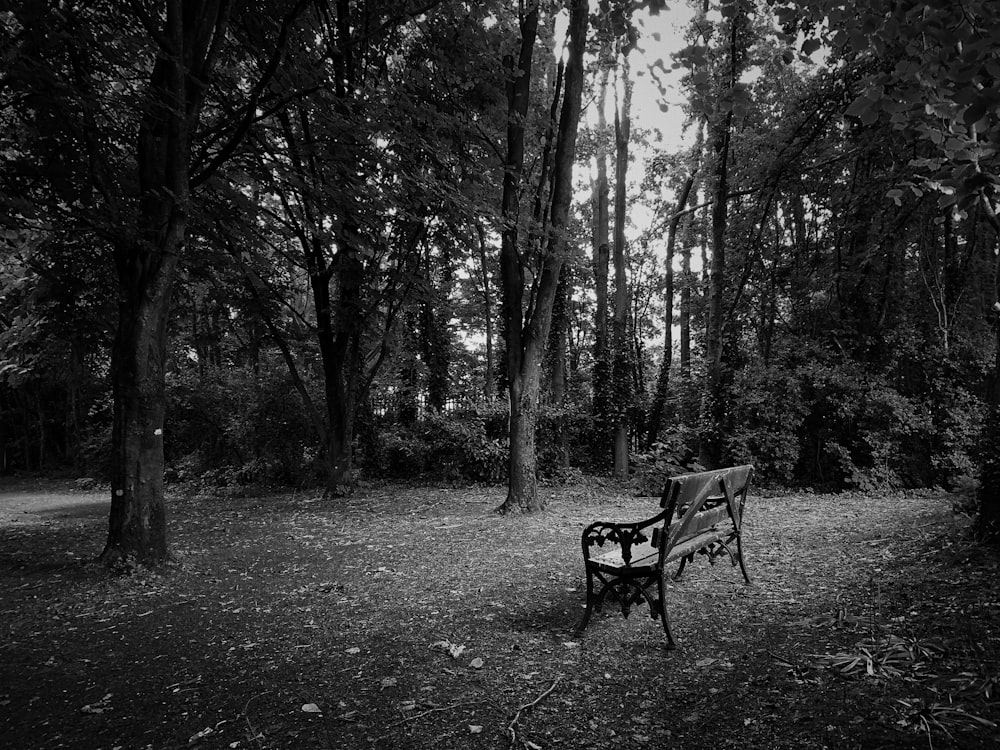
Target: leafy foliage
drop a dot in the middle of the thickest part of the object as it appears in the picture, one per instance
(217, 436)
(857, 338)
(441, 447)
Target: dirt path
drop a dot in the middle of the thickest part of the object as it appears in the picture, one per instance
(46, 504)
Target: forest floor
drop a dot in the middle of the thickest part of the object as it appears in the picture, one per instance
(414, 617)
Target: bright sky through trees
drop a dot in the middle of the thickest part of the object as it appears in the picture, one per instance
(657, 100)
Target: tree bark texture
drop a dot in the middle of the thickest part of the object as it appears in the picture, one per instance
(663, 377)
(601, 378)
(489, 375)
(146, 263)
(988, 518)
(557, 366)
(521, 489)
(621, 369)
(713, 408)
(526, 338)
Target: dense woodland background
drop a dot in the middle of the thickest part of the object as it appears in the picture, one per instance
(814, 293)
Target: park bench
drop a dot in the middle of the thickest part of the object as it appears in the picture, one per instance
(701, 513)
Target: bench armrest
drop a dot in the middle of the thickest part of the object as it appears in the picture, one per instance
(625, 535)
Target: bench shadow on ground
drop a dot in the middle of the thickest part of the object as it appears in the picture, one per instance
(558, 614)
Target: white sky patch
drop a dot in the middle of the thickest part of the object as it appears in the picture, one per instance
(657, 98)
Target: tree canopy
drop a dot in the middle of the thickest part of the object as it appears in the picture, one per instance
(311, 241)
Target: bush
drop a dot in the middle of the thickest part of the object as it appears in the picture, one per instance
(767, 411)
(676, 453)
(237, 428)
(859, 432)
(443, 447)
(569, 426)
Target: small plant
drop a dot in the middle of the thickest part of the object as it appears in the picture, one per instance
(924, 716)
(968, 685)
(891, 657)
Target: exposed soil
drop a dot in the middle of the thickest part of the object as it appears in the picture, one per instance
(414, 617)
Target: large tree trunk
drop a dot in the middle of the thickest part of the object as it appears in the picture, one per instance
(521, 489)
(146, 266)
(339, 337)
(988, 519)
(526, 340)
(137, 524)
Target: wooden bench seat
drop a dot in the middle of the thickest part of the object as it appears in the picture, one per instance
(700, 513)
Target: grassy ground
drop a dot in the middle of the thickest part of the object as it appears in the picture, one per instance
(413, 617)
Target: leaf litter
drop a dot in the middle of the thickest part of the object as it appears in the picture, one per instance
(274, 608)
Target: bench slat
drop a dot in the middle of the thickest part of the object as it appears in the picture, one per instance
(706, 519)
(642, 555)
(691, 546)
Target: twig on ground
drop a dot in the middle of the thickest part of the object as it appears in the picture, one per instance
(414, 717)
(512, 726)
(246, 717)
(185, 682)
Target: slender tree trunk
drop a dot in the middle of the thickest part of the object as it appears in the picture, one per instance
(489, 377)
(435, 338)
(684, 311)
(687, 280)
(621, 371)
(713, 408)
(663, 377)
(601, 378)
(557, 367)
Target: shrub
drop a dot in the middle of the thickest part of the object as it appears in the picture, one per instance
(859, 432)
(569, 426)
(235, 427)
(675, 453)
(767, 411)
(441, 446)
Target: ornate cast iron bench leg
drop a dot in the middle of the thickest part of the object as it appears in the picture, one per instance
(684, 561)
(739, 556)
(590, 603)
(671, 643)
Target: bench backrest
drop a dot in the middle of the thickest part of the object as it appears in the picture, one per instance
(699, 501)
